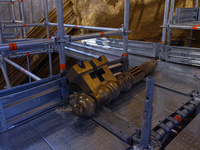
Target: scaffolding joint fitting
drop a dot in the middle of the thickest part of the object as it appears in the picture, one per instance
(45, 23)
(2, 26)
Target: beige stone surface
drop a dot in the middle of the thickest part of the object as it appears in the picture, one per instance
(146, 16)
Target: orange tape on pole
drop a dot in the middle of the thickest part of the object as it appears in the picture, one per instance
(48, 37)
(13, 46)
(21, 0)
(24, 25)
(123, 55)
(12, 3)
(76, 26)
(178, 118)
(24, 70)
(27, 54)
(194, 27)
(62, 66)
(163, 42)
(102, 34)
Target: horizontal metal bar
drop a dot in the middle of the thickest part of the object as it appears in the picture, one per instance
(27, 86)
(18, 21)
(23, 25)
(22, 40)
(23, 54)
(8, 21)
(8, 37)
(8, 0)
(22, 69)
(94, 35)
(27, 45)
(87, 27)
(189, 27)
(10, 33)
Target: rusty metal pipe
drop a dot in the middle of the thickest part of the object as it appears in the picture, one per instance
(86, 105)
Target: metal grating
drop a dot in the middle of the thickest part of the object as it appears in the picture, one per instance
(23, 137)
(64, 131)
(129, 105)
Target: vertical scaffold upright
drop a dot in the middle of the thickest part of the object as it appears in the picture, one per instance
(185, 18)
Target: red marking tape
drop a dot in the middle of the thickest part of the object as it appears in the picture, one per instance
(178, 118)
(102, 34)
(163, 42)
(123, 55)
(48, 37)
(24, 25)
(24, 70)
(194, 27)
(76, 26)
(13, 46)
(27, 54)
(21, 0)
(12, 3)
(62, 66)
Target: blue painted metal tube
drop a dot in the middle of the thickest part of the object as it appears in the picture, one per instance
(147, 113)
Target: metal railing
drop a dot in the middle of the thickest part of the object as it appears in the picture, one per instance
(12, 48)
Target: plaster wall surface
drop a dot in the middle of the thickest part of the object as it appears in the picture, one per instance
(145, 19)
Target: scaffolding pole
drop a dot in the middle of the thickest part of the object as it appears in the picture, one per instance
(126, 25)
(4, 71)
(48, 36)
(25, 54)
(24, 25)
(3, 65)
(23, 18)
(93, 35)
(125, 36)
(87, 27)
(191, 32)
(147, 114)
(14, 19)
(172, 5)
(1, 35)
(164, 30)
(26, 45)
(188, 27)
(22, 69)
(28, 65)
(196, 3)
(61, 39)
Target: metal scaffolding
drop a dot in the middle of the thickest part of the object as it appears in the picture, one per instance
(185, 18)
(14, 21)
(26, 47)
(58, 41)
